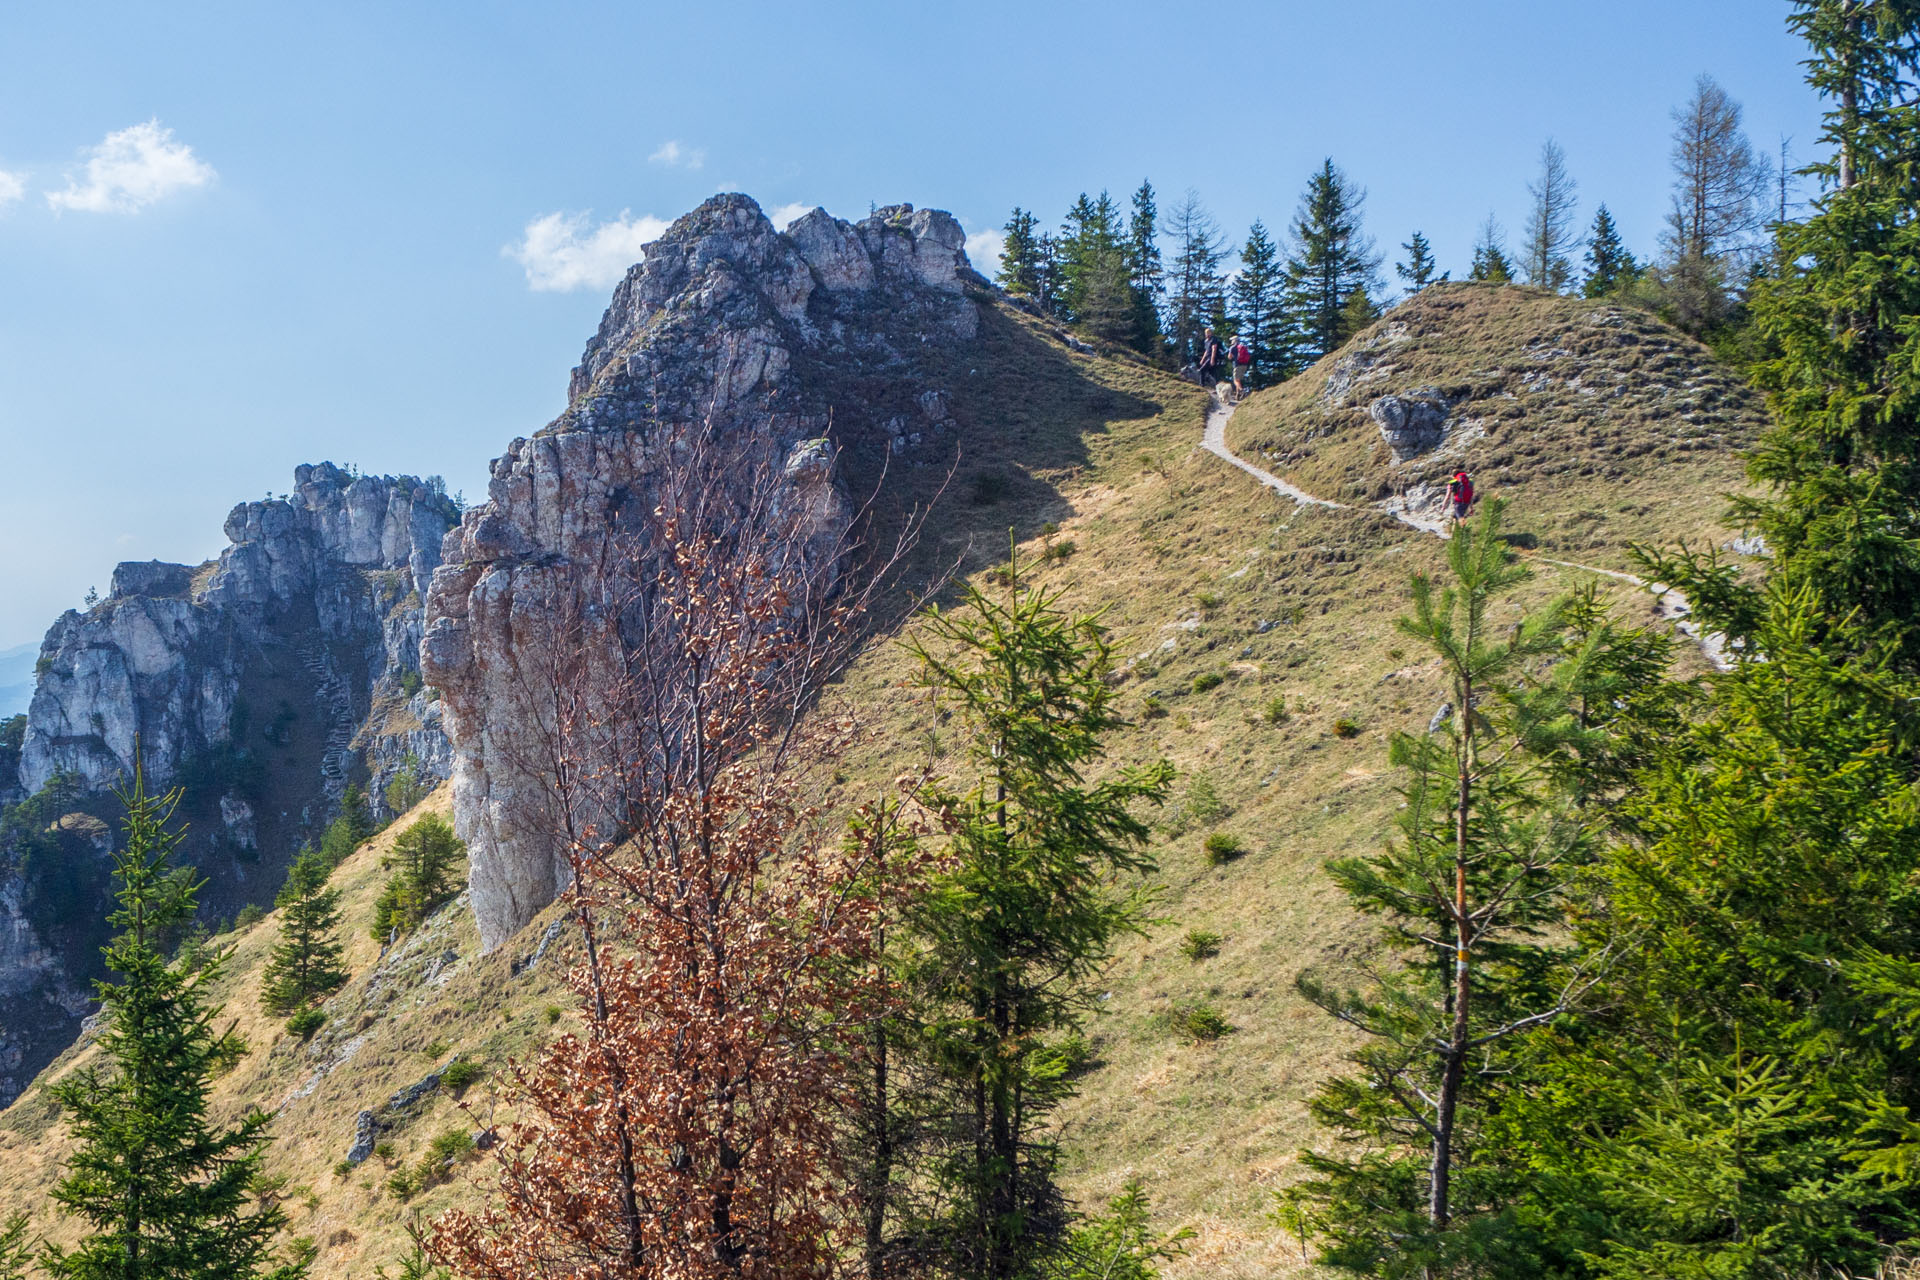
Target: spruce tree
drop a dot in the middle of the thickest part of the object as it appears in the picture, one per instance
(1096, 290)
(1735, 1100)
(1841, 463)
(1490, 261)
(1610, 267)
(164, 1193)
(1019, 272)
(15, 1252)
(1332, 260)
(1417, 270)
(1146, 274)
(306, 965)
(1259, 308)
(1013, 938)
(1357, 314)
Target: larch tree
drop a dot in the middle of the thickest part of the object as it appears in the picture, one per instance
(1720, 197)
(163, 1191)
(1333, 259)
(1195, 291)
(1550, 212)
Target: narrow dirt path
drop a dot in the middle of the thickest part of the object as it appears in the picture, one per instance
(1667, 602)
(1215, 442)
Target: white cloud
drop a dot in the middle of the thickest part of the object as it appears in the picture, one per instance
(132, 169)
(675, 156)
(983, 250)
(12, 187)
(787, 214)
(562, 252)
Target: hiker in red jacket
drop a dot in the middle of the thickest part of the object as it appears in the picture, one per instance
(1242, 357)
(1460, 494)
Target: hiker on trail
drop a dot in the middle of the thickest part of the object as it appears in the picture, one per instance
(1460, 494)
(1210, 359)
(1242, 367)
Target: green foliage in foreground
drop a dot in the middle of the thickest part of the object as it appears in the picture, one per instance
(1007, 944)
(1119, 1244)
(15, 1252)
(163, 1191)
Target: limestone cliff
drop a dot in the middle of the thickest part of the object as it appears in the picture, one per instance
(261, 684)
(817, 334)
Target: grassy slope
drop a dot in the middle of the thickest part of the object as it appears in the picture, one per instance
(1609, 426)
(1200, 572)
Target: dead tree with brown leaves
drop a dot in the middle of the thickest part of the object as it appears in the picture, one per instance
(727, 970)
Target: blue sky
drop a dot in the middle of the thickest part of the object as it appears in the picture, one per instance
(237, 237)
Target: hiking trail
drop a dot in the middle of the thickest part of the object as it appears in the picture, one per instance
(1667, 603)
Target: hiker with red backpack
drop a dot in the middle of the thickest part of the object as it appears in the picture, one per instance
(1242, 356)
(1460, 494)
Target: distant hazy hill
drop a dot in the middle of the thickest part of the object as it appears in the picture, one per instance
(16, 678)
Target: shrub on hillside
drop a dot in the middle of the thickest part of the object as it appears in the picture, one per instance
(1223, 847)
(1200, 944)
(1198, 1022)
(461, 1074)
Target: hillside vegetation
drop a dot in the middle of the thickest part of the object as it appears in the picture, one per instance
(1607, 426)
(1255, 647)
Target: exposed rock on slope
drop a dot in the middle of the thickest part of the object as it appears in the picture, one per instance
(261, 683)
(808, 342)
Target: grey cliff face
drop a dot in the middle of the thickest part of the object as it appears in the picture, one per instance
(262, 683)
(809, 344)
(162, 659)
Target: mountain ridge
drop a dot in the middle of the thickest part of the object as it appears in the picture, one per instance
(1253, 646)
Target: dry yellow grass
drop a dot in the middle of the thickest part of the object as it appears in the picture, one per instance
(1199, 571)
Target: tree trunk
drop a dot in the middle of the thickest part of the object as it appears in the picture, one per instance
(881, 1178)
(1849, 89)
(1453, 1073)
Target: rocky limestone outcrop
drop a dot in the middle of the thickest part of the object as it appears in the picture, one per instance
(163, 659)
(262, 682)
(810, 344)
(1412, 423)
